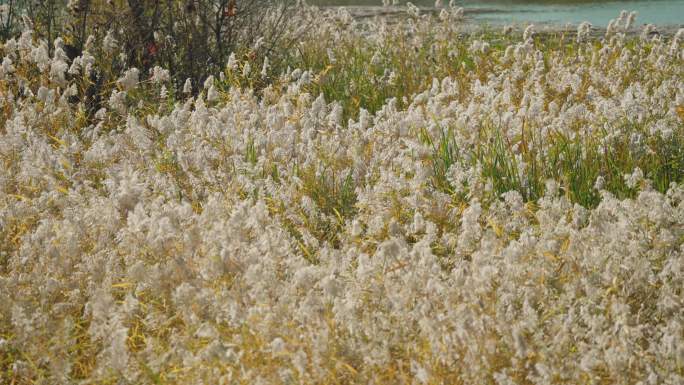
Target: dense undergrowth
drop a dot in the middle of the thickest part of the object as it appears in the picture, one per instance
(406, 203)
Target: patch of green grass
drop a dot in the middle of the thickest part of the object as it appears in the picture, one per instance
(364, 74)
(575, 163)
(333, 194)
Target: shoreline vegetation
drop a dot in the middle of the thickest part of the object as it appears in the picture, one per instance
(380, 202)
(469, 23)
(500, 12)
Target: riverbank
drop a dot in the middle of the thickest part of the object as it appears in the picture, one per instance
(598, 12)
(476, 20)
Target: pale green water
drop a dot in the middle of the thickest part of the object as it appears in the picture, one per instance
(599, 13)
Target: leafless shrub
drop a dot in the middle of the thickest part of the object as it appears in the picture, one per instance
(191, 38)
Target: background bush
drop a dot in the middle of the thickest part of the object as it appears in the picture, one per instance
(191, 38)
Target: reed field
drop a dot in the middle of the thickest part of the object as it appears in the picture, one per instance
(391, 201)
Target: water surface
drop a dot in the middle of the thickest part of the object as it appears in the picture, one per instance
(660, 12)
